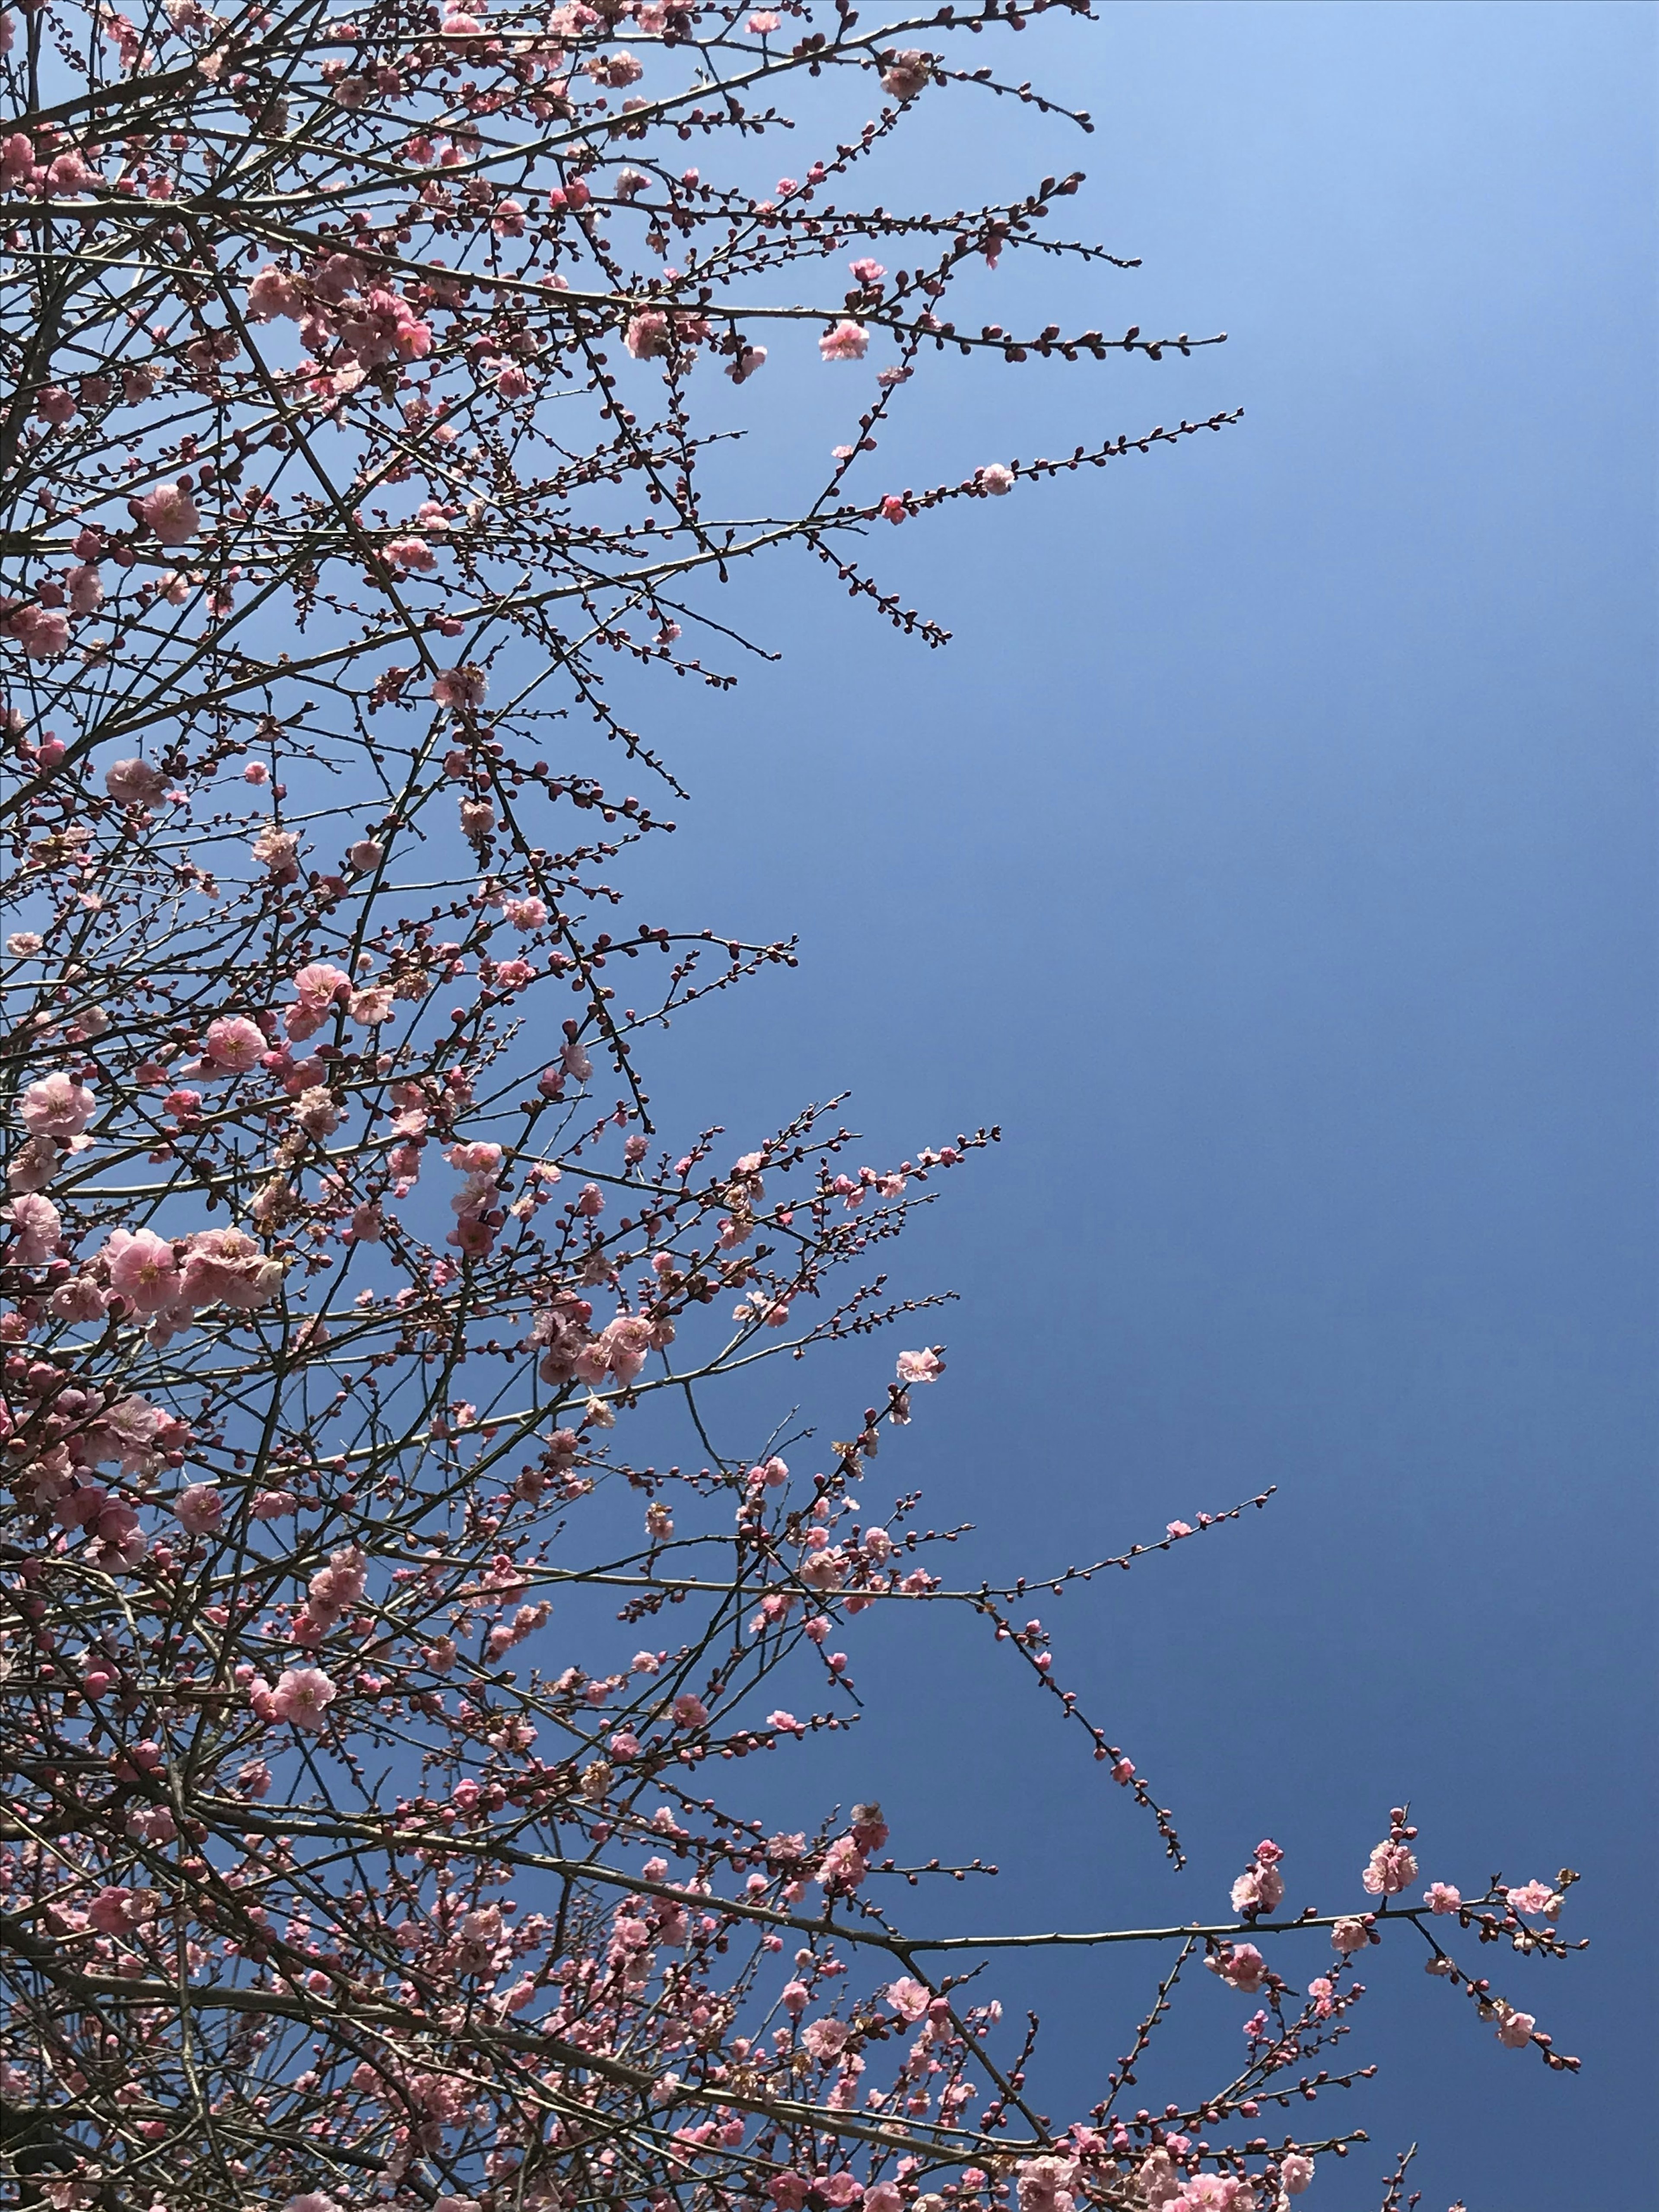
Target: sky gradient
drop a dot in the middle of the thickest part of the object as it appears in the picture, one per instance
(1271, 855)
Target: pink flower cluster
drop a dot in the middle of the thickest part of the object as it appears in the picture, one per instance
(1260, 1887)
(571, 1352)
(301, 1695)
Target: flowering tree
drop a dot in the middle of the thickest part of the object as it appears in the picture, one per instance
(348, 442)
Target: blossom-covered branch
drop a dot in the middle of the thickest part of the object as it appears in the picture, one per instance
(362, 426)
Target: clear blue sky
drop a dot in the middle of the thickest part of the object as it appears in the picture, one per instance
(1272, 855)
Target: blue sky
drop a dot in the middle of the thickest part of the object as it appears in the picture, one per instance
(1271, 854)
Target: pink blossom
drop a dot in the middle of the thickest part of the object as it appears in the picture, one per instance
(316, 1111)
(459, 687)
(226, 1267)
(910, 1999)
(1296, 2172)
(317, 987)
(143, 1269)
(846, 341)
(69, 174)
(996, 479)
(625, 1345)
(1389, 1869)
(118, 1541)
(1259, 1889)
(274, 1505)
(617, 70)
(200, 1509)
(277, 850)
(56, 1106)
(906, 74)
(134, 782)
(369, 1008)
(1534, 1897)
(920, 1367)
(171, 514)
(1045, 2184)
(303, 1695)
(1245, 1966)
(827, 2039)
(648, 337)
(1441, 1897)
(843, 1866)
(86, 589)
(78, 1299)
(689, 1711)
(1515, 2029)
(1350, 1934)
(235, 1043)
(36, 1226)
(16, 160)
(42, 633)
(274, 293)
(117, 1909)
(762, 21)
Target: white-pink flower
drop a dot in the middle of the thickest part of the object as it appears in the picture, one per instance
(996, 479)
(43, 633)
(303, 1695)
(200, 1509)
(920, 1367)
(56, 1106)
(646, 337)
(1534, 1897)
(86, 589)
(910, 1999)
(459, 687)
(827, 2039)
(142, 1268)
(1389, 1869)
(134, 782)
(1244, 1967)
(846, 342)
(274, 293)
(36, 1226)
(906, 74)
(318, 985)
(171, 512)
(235, 1043)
